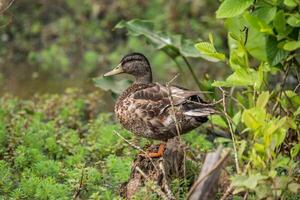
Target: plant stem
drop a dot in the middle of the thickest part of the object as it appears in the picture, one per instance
(192, 72)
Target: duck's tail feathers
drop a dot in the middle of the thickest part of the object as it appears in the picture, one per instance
(201, 112)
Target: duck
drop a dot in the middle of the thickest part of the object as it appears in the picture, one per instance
(153, 110)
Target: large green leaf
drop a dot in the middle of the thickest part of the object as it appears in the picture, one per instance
(174, 45)
(231, 8)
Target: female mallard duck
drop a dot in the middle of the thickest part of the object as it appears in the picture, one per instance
(148, 109)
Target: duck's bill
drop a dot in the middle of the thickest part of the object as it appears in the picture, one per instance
(117, 70)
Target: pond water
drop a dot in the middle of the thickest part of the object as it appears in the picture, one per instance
(24, 81)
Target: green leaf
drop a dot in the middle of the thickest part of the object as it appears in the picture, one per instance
(241, 77)
(208, 50)
(291, 45)
(241, 148)
(265, 13)
(297, 112)
(274, 54)
(109, 84)
(290, 3)
(279, 22)
(262, 99)
(260, 148)
(236, 120)
(234, 26)
(218, 120)
(263, 191)
(273, 126)
(174, 45)
(250, 181)
(294, 20)
(256, 45)
(238, 53)
(290, 98)
(258, 23)
(254, 118)
(231, 8)
(295, 151)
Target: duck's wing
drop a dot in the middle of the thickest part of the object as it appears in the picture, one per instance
(154, 100)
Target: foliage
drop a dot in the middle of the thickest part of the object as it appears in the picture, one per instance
(63, 146)
(267, 131)
(173, 45)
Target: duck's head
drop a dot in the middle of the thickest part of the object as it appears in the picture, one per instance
(135, 64)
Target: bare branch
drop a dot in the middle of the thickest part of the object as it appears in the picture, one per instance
(136, 147)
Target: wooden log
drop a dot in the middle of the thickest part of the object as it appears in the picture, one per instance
(206, 185)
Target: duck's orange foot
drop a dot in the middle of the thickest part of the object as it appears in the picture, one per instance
(157, 154)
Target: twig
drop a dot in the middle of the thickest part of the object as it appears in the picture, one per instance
(202, 104)
(227, 193)
(165, 184)
(8, 5)
(133, 145)
(296, 88)
(172, 105)
(80, 185)
(246, 196)
(177, 125)
(217, 165)
(231, 131)
(281, 87)
(137, 147)
(154, 188)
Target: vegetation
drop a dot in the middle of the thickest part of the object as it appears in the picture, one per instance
(65, 146)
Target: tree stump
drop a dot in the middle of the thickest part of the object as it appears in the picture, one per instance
(158, 170)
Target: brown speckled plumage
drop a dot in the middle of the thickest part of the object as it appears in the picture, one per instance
(145, 107)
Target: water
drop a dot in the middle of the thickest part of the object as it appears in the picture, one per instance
(24, 81)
